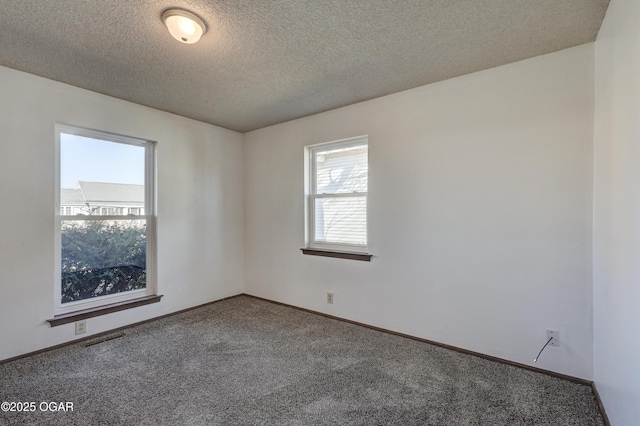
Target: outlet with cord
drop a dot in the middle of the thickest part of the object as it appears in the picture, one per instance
(553, 339)
(553, 336)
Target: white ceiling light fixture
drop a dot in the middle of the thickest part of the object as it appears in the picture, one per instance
(184, 26)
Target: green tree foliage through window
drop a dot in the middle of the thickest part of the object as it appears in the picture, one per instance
(102, 257)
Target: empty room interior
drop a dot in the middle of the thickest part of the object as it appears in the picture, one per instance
(340, 212)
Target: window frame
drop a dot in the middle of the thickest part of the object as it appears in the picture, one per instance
(150, 218)
(311, 196)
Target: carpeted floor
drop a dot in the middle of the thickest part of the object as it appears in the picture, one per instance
(244, 361)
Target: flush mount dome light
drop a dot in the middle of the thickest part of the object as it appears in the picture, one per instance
(184, 26)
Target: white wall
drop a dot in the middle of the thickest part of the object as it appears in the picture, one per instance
(479, 221)
(479, 212)
(616, 263)
(199, 206)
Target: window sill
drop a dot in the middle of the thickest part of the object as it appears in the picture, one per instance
(102, 310)
(339, 254)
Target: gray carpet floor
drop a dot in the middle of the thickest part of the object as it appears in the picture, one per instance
(244, 361)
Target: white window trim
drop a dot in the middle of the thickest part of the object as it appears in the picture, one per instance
(149, 216)
(311, 197)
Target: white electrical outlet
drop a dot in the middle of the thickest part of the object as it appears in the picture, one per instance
(329, 297)
(554, 335)
(81, 327)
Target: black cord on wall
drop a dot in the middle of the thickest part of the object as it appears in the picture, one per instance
(545, 345)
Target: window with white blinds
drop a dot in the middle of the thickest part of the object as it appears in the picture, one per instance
(337, 195)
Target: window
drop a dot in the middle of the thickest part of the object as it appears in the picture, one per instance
(111, 211)
(104, 254)
(337, 176)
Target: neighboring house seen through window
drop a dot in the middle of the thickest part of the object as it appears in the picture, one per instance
(105, 231)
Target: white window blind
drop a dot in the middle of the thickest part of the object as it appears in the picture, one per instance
(338, 195)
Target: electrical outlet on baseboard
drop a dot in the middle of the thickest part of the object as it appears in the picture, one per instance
(81, 327)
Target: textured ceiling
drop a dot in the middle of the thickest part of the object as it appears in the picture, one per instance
(263, 62)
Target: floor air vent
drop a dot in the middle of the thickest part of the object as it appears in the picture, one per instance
(104, 339)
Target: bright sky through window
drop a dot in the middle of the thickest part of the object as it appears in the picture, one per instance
(93, 160)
